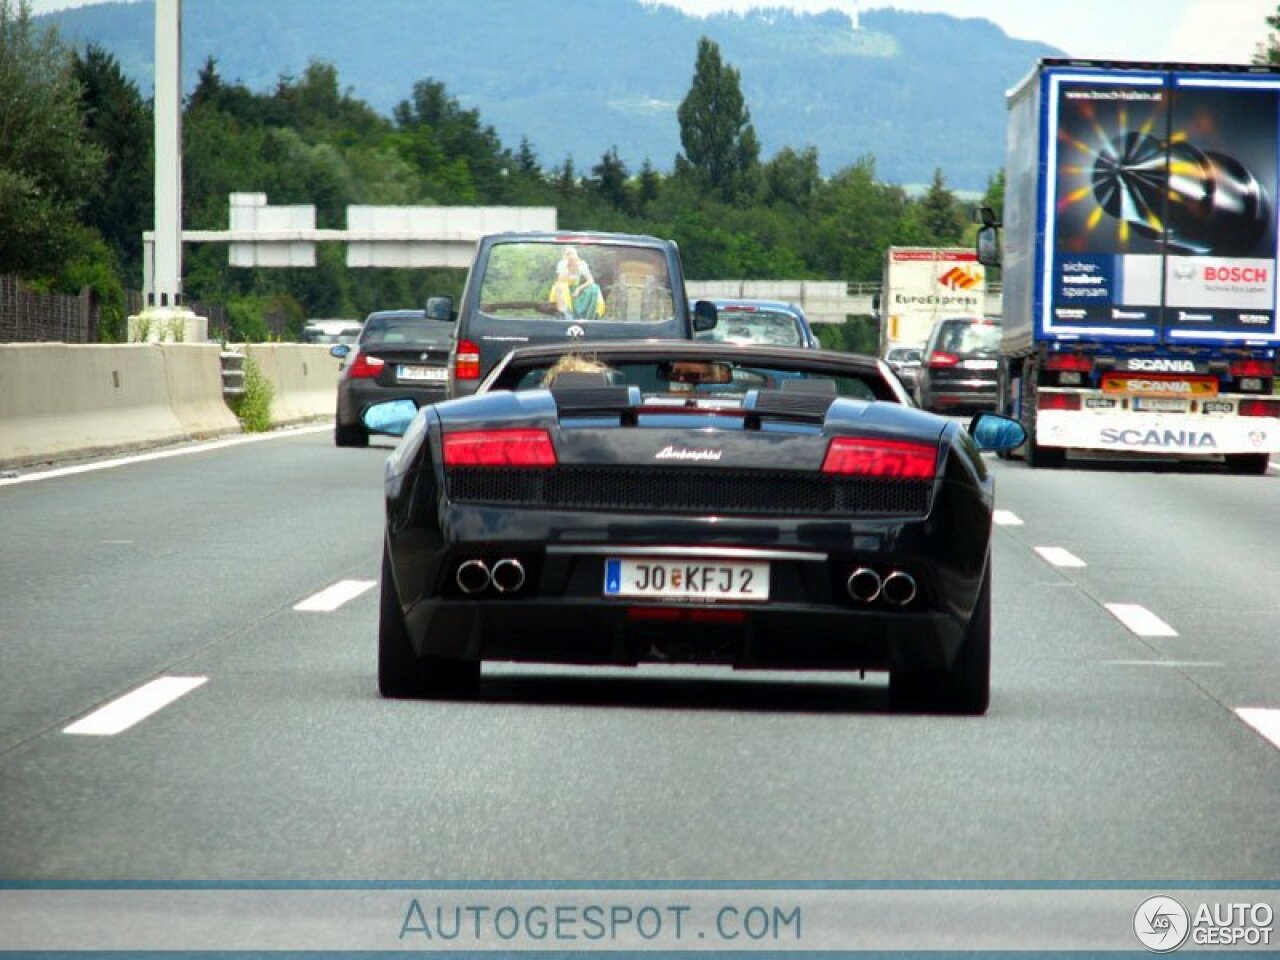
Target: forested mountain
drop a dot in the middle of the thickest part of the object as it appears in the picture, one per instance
(918, 91)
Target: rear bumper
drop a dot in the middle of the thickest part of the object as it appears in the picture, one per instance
(1168, 434)
(596, 632)
(356, 396)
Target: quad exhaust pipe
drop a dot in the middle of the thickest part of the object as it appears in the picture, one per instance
(899, 588)
(475, 576)
(508, 575)
(866, 586)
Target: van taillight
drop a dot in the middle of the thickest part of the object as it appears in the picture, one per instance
(466, 361)
(1076, 362)
(940, 358)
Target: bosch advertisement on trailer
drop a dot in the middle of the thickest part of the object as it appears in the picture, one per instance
(1164, 208)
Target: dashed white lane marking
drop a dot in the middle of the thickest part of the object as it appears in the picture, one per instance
(122, 713)
(1059, 557)
(161, 455)
(1266, 722)
(1140, 620)
(1006, 518)
(331, 598)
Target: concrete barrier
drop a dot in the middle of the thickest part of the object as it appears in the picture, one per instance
(60, 400)
(194, 374)
(304, 376)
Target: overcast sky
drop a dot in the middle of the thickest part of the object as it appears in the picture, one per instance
(1220, 31)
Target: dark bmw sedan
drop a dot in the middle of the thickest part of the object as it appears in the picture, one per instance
(400, 355)
(961, 365)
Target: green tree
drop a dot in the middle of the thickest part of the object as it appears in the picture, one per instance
(792, 178)
(941, 214)
(1268, 51)
(648, 185)
(721, 149)
(994, 195)
(609, 180)
(118, 122)
(47, 164)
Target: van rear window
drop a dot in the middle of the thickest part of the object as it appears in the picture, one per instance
(578, 282)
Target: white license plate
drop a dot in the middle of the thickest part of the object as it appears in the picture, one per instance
(431, 374)
(978, 364)
(1161, 404)
(704, 580)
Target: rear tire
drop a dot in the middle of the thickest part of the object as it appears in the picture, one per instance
(964, 688)
(349, 436)
(402, 674)
(1252, 464)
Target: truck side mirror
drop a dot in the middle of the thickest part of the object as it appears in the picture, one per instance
(441, 308)
(989, 246)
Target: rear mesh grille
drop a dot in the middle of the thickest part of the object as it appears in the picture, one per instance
(684, 490)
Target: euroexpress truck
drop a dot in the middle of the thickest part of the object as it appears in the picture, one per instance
(921, 286)
(1140, 258)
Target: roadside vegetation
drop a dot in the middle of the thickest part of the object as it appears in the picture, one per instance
(76, 167)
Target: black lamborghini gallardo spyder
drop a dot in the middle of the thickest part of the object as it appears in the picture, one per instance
(762, 507)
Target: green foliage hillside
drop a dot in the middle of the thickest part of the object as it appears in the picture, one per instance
(917, 91)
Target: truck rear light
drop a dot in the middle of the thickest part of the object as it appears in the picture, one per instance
(499, 448)
(364, 366)
(887, 459)
(1058, 401)
(1076, 362)
(940, 359)
(466, 361)
(1259, 408)
(1253, 368)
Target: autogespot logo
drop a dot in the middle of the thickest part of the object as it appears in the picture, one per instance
(1161, 924)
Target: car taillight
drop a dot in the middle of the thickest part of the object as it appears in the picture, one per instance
(1075, 362)
(365, 366)
(466, 361)
(1058, 401)
(1253, 368)
(499, 448)
(1260, 408)
(941, 359)
(868, 457)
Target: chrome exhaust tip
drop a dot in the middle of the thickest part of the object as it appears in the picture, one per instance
(899, 588)
(864, 585)
(508, 575)
(472, 576)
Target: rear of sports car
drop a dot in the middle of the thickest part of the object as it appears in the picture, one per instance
(597, 527)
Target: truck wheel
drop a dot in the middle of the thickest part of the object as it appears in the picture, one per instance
(1253, 464)
(1036, 456)
(965, 687)
(401, 673)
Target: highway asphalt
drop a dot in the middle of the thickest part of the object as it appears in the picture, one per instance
(1107, 755)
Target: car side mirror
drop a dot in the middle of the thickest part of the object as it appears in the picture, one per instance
(340, 350)
(392, 417)
(989, 245)
(705, 316)
(993, 432)
(441, 308)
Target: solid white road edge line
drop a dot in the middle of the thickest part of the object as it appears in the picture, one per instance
(331, 598)
(162, 454)
(1266, 722)
(1059, 557)
(1006, 518)
(1163, 663)
(1140, 620)
(122, 713)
